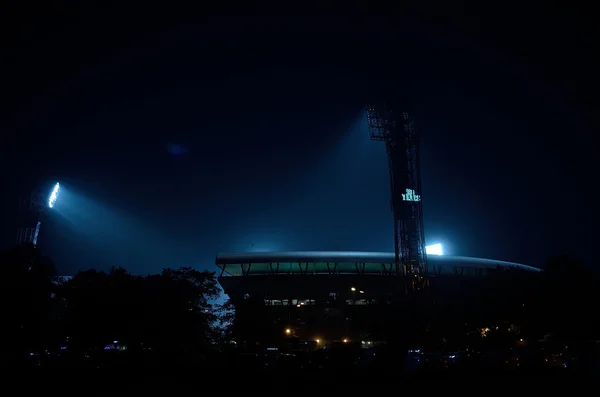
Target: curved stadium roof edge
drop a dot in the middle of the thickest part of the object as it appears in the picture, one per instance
(239, 258)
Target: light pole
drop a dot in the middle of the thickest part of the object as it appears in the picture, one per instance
(32, 210)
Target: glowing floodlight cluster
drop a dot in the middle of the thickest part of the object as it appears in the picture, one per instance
(434, 249)
(53, 195)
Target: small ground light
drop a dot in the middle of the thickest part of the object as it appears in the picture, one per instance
(288, 331)
(352, 289)
(318, 340)
(345, 340)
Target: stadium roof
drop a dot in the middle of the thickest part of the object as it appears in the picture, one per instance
(346, 262)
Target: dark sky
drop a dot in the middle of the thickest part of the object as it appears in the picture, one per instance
(176, 136)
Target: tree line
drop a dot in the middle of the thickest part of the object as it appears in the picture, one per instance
(177, 309)
(42, 312)
(557, 305)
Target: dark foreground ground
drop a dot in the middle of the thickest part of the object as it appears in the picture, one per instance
(352, 372)
(357, 365)
(330, 382)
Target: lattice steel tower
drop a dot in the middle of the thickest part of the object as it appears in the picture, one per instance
(395, 128)
(32, 210)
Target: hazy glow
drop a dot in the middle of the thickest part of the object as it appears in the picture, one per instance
(434, 249)
(53, 195)
(91, 224)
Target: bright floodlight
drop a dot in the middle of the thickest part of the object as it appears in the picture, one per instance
(53, 195)
(435, 249)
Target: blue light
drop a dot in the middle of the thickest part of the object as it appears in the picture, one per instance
(37, 233)
(53, 195)
(435, 249)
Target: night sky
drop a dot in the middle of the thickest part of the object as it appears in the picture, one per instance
(176, 137)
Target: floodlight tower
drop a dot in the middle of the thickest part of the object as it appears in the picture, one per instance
(32, 209)
(394, 127)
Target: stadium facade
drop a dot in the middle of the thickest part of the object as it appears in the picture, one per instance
(340, 295)
(310, 274)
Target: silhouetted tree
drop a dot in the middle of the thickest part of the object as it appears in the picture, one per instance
(570, 294)
(99, 307)
(168, 311)
(178, 312)
(223, 330)
(28, 303)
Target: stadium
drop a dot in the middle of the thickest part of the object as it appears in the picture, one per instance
(344, 296)
(306, 275)
(340, 297)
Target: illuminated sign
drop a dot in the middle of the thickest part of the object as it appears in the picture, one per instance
(411, 196)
